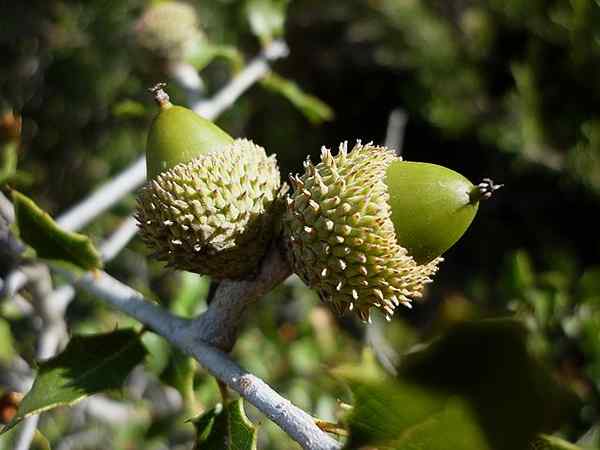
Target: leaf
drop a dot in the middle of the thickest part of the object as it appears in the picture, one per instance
(392, 414)
(225, 428)
(7, 347)
(314, 109)
(475, 388)
(179, 374)
(545, 442)
(267, 18)
(8, 161)
(202, 53)
(488, 363)
(37, 229)
(89, 364)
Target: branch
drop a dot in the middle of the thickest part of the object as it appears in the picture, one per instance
(219, 325)
(188, 336)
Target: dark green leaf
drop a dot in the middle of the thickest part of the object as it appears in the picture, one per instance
(475, 388)
(225, 429)
(391, 414)
(38, 230)
(314, 109)
(488, 364)
(89, 364)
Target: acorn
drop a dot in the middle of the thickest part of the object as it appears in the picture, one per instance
(359, 230)
(209, 203)
(168, 30)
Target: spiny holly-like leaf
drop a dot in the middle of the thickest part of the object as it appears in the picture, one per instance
(267, 18)
(314, 109)
(37, 229)
(89, 364)
(545, 442)
(225, 429)
(475, 388)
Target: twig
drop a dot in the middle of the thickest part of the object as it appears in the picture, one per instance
(53, 331)
(219, 325)
(185, 335)
(394, 136)
(134, 176)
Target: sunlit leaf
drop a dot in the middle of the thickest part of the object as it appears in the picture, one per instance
(88, 365)
(8, 161)
(225, 429)
(267, 18)
(37, 229)
(202, 53)
(314, 109)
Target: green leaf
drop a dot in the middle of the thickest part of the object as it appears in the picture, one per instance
(489, 364)
(192, 289)
(37, 229)
(7, 346)
(8, 161)
(475, 388)
(179, 373)
(267, 18)
(88, 365)
(225, 429)
(314, 109)
(391, 414)
(202, 53)
(545, 442)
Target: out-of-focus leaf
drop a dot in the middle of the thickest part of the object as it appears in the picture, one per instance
(545, 442)
(314, 109)
(520, 273)
(267, 18)
(225, 429)
(489, 364)
(192, 289)
(391, 414)
(129, 108)
(476, 387)
(202, 53)
(7, 349)
(179, 373)
(8, 161)
(37, 229)
(89, 364)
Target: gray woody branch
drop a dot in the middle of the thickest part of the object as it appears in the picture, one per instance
(195, 337)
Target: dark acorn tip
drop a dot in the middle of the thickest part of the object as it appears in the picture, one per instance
(160, 95)
(483, 190)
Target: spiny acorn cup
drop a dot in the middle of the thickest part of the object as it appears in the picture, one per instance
(209, 204)
(347, 216)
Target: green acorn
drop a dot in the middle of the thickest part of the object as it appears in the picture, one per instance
(168, 30)
(208, 205)
(345, 219)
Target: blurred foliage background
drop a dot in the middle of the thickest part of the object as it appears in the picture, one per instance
(502, 89)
